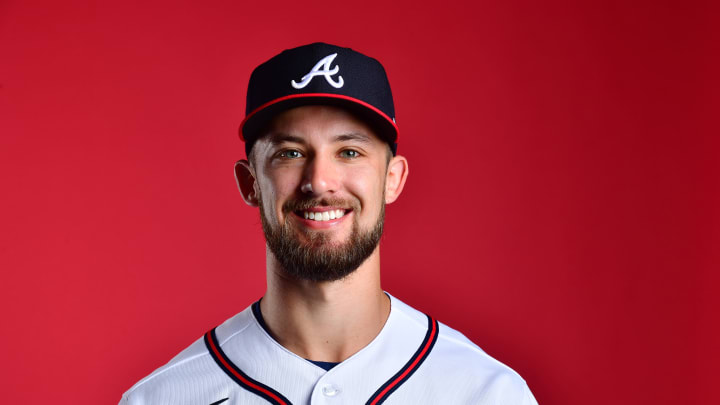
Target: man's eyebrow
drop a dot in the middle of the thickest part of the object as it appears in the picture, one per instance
(353, 136)
(277, 138)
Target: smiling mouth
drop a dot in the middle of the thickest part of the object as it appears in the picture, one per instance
(320, 216)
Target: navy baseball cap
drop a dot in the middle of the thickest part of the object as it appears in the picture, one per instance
(323, 74)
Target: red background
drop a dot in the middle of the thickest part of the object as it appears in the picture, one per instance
(561, 210)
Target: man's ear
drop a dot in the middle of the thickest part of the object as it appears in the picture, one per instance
(245, 177)
(397, 173)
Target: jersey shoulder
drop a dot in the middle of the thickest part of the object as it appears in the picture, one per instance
(191, 371)
(458, 365)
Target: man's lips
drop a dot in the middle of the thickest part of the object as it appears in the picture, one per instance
(326, 216)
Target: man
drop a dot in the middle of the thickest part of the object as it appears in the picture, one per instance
(321, 142)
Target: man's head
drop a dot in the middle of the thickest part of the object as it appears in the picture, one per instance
(321, 178)
(323, 74)
(321, 174)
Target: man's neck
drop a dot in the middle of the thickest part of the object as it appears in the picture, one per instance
(328, 321)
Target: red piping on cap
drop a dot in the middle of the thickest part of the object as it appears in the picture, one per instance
(320, 95)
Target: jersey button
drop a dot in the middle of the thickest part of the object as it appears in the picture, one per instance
(330, 390)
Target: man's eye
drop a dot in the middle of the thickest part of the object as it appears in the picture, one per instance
(290, 154)
(350, 154)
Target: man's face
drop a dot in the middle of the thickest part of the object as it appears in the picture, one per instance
(320, 178)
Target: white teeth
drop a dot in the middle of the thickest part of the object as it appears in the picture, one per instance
(324, 216)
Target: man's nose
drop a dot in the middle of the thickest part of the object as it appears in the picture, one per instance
(321, 176)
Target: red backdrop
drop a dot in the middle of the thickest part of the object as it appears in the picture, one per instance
(561, 210)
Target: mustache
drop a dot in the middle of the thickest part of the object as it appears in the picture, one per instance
(304, 204)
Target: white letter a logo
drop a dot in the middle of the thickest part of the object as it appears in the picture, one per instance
(324, 63)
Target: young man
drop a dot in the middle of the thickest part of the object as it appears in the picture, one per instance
(320, 139)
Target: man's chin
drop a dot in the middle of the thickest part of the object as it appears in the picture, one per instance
(323, 245)
(323, 237)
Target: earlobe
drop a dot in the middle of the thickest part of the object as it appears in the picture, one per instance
(396, 176)
(245, 178)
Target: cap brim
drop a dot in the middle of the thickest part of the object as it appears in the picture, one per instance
(255, 122)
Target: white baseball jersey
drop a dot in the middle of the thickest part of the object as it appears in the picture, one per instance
(413, 360)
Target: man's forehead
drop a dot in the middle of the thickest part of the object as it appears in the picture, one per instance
(313, 125)
(329, 123)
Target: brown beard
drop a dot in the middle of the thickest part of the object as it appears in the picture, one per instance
(317, 258)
